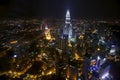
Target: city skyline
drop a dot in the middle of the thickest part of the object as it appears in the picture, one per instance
(34, 49)
(59, 40)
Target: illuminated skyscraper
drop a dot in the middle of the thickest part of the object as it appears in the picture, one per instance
(67, 29)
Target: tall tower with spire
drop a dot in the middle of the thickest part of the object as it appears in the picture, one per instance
(67, 29)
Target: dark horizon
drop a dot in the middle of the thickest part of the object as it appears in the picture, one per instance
(92, 9)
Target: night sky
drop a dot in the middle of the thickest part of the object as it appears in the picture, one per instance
(57, 8)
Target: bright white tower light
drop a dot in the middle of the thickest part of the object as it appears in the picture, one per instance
(68, 13)
(68, 17)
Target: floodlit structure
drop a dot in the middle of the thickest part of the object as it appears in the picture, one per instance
(47, 33)
(67, 29)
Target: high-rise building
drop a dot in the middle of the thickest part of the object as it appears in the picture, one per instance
(67, 29)
(67, 34)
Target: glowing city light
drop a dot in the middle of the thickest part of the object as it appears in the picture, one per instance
(15, 56)
(76, 56)
(113, 46)
(104, 59)
(81, 36)
(112, 51)
(13, 42)
(98, 58)
(105, 75)
(98, 49)
(47, 33)
(79, 79)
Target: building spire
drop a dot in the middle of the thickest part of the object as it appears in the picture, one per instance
(67, 19)
(68, 14)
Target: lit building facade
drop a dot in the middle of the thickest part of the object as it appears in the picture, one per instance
(67, 29)
(67, 34)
